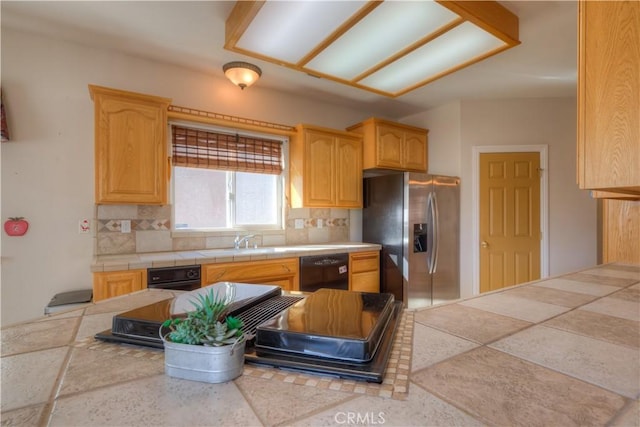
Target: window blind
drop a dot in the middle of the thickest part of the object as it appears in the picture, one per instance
(216, 150)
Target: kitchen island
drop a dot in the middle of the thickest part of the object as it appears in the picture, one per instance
(556, 352)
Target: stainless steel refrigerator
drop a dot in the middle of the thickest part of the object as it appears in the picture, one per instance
(416, 219)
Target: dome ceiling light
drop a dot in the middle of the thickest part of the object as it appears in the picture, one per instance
(386, 47)
(242, 74)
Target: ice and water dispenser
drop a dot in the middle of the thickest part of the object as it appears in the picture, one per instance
(420, 237)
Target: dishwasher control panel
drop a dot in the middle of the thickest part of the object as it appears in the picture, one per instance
(180, 278)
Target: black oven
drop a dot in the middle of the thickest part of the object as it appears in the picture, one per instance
(181, 278)
(324, 271)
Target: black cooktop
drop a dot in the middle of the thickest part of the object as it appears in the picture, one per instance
(329, 323)
(331, 332)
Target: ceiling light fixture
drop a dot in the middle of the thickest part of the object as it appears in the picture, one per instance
(386, 47)
(241, 74)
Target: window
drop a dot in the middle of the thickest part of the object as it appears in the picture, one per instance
(226, 181)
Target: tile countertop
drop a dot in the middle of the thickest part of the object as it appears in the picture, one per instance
(206, 256)
(557, 352)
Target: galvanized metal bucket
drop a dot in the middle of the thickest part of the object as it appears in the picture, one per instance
(205, 364)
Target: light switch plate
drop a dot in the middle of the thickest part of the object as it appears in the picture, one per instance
(299, 223)
(320, 223)
(125, 226)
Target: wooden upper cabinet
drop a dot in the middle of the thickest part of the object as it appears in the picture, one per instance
(326, 168)
(390, 145)
(348, 172)
(131, 160)
(609, 97)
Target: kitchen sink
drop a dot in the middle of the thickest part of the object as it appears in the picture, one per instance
(259, 250)
(242, 251)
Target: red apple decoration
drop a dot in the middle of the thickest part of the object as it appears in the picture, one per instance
(16, 226)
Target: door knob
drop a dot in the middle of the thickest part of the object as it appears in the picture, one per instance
(484, 244)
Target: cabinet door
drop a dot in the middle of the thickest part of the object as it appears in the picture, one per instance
(130, 147)
(364, 271)
(621, 231)
(389, 148)
(116, 283)
(415, 151)
(319, 169)
(349, 173)
(609, 96)
(281, 272)
(366, 282)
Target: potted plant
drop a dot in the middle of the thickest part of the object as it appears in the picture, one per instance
(205, 344)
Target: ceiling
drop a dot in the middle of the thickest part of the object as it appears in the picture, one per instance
(193, 34)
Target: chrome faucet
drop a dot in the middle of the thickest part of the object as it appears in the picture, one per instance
(240, 240)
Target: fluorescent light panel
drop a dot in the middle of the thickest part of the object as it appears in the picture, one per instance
(286, 32)
(453, 48)
(389, 28)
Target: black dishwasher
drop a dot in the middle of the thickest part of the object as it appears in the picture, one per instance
(179, 278)
(324, 271)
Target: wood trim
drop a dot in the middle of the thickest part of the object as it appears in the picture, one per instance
(452, 70)
(346, 26)
(612, 195)
(239, 19)
(418, 44)
(488, 15)
(337, 132)
(192, 115)
(580, 156)
(138, 97)
(379, 121)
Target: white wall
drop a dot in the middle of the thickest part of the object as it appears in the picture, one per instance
(47, 168)
(552, 122)
(444, 137)
(572, 212)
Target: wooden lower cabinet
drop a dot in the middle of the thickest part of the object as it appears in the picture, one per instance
(621, 231)
(115, 283)
(364, 271)
(282, 272)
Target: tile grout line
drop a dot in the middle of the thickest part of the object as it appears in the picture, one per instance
(47, 410)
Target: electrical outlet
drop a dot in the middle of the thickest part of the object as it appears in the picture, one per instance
(84, 226)
(125, 226)
(299, 223)
(320, 223)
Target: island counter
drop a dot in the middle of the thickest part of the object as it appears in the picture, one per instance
(560, 351)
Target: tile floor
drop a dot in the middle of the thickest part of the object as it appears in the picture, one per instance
(559, 352)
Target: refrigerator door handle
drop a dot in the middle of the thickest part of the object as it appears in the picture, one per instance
(436, 232)
(432, 233)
